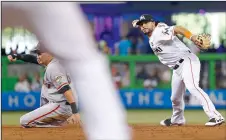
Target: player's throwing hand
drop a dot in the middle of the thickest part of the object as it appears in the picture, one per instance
(134, 23)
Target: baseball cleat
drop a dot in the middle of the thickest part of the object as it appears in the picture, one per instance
(25, 126)
(215, 122)
(167, 122)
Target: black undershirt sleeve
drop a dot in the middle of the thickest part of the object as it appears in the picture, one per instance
(64, 89)
(26, 58)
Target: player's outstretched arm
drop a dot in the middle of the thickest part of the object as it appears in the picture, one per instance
(186, 33)
(24, 57)
(203, 41)
(183, 31)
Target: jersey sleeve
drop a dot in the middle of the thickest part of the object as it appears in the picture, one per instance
(165, 32)
(59, 78)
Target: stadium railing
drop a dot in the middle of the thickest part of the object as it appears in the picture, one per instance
(9, 82)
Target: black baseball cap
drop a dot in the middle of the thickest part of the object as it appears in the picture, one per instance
(36, 50)
(145, 18)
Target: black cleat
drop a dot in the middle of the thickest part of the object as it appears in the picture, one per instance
(215, 122)
(167, 122)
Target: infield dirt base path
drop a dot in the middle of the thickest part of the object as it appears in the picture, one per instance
(140, 132)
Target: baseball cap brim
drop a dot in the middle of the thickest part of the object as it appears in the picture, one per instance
(36, 50)
(143, 21)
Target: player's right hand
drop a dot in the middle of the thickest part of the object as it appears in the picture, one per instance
(11, 59)
(74, 119)
(134, 23)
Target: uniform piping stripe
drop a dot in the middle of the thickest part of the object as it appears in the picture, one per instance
(196, 87)
(43, 115)
(62, 86)
(215, 113)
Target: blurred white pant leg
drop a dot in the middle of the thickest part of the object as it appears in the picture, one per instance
(65, 33)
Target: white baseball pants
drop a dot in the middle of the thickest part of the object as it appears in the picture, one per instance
(48, 115)
(187, 76)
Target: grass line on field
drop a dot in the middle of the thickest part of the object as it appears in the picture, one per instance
(134, 116)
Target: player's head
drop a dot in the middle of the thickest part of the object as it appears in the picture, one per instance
(43, 58)
(146, 23)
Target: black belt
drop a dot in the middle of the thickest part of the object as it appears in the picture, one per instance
(180, 61)
(177, 66)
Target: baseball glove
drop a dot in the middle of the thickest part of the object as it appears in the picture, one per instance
(203, 41)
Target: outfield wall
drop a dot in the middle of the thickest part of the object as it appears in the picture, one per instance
(132, 99)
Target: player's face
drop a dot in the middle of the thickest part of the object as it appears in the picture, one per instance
(147, 27)
(44, 58)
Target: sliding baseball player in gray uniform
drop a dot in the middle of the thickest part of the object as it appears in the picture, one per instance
(57, 103)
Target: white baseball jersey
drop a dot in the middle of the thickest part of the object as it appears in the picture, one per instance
(166, 45)
(170, 50)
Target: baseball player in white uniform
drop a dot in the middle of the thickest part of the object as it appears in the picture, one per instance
(62, 28)
(57, 103)
(185, 65)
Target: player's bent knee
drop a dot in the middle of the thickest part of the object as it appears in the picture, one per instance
(175, 100)
(24, 121)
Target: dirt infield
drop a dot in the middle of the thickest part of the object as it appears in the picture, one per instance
(140, 132)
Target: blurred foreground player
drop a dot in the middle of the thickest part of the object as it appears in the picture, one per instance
(63, 29)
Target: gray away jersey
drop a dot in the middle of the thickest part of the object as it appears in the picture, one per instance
(54, 79)
(166, 45)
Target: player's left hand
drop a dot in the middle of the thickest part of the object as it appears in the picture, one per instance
(11, 58)
(74, 119)
(203, 41)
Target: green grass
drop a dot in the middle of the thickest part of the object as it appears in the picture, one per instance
(134, 116)
(155, 116)
(11, 118)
